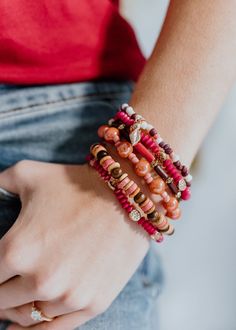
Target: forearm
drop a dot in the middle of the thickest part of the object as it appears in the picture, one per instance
(189, 73)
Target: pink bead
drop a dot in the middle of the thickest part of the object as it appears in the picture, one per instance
(176, 176)
(165, 197)
(125, 206)
(107, 163)
(186, 194)
(101, 131)
(131, 189)
(148, 178)
(123, 183)
(148, 206)
(167, 162)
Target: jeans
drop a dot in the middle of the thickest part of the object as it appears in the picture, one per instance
(58, 124)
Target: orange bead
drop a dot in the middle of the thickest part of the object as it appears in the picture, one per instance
(157, 186)
(111, 134)
(171, 205)
(124, 149)
(101, 131)
(174, 214)
(142, 167)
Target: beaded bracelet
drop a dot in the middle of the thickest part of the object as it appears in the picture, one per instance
(142, 168)
(130, 188)
(180, 184)
(133, 213)
(157, 139)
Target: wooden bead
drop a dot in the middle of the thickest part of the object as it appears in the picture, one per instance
(140, 198)
(113, 166)
(142, 167)
(116, 173)
(96, 148)
(153, 216)
(104, 159)
(101, 154)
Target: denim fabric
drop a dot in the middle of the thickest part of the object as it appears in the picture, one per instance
(58, 124)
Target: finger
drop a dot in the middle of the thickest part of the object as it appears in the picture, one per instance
(20, 315)
(66, 322)
(15, 292)
(11, 257)
(8, 180)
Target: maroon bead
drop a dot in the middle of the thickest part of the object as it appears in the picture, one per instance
(162, 144)
(188, 184)
(177, 164)
(168, 151)
(153, 132)
(185, 171)
(173, 188)
(133, 116)
(161, 172)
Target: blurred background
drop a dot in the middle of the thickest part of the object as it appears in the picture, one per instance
(199, 261)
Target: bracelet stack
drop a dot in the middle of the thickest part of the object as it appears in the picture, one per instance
(153, 160)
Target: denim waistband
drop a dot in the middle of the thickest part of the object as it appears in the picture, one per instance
(14, 97)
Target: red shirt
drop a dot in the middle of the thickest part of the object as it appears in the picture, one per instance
(60, 41)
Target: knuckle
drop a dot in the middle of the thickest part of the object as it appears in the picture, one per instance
(70, 301)
(12, 256)
(21, 166)
(98, 307)
(46, 287)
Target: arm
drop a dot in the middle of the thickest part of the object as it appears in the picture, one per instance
(189, 73)
(180, 91)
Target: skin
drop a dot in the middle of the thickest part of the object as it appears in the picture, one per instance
(61, 252)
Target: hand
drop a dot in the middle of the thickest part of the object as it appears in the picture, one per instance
(71, 249)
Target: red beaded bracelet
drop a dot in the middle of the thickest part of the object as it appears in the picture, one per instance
(140, 122)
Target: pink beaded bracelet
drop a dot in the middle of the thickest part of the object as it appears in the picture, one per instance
(122, 182)
(132, 212)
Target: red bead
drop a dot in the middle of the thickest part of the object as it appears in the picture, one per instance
(144, 152)
(186, 194)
